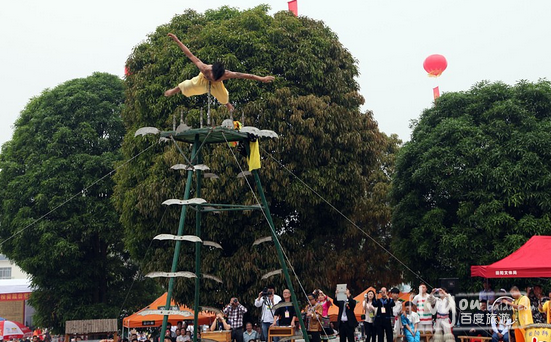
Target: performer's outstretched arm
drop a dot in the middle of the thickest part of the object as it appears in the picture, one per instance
(202, 66)
(233, 74)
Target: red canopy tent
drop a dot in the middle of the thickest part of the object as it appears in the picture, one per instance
(136, 320)
(532, 260)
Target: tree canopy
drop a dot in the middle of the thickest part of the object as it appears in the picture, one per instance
(313, 105)
(472, 185)
(64, 141)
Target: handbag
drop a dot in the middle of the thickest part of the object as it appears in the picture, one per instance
(326, 323)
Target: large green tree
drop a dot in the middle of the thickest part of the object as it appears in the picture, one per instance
(64, 142)
(473, 184)
(313, 105)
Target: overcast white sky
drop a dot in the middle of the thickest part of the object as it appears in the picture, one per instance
(44, 43)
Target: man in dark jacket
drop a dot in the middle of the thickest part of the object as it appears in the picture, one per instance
(384, 317)
(347, 319)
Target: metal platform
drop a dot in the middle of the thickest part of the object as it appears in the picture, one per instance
(218, 134)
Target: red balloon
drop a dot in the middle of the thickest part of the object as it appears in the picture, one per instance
(435, 65)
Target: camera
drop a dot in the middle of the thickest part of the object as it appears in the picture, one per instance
(235, 300)
(266, 292)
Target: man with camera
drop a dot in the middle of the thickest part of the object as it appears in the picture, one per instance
(235, 311)
(267, 299)
(384, 318)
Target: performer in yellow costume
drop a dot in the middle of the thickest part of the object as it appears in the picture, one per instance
(546, 309)
(215, 73)
(522, 314)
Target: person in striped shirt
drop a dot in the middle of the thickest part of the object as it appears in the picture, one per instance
(423, 310)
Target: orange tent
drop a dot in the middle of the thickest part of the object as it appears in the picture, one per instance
(358, 310)
(136, 320)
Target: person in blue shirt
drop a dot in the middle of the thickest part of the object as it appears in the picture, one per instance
(250, 334)
(410, 323)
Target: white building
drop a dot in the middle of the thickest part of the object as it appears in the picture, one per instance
(15, 289)
(9, 270)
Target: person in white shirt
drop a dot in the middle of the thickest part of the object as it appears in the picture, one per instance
(500, 329)
(410, 322)
(396, 311)
(369, 312)
(267, 299)
(179, 336)
(423, 309)
(443, 303)
(487, 294)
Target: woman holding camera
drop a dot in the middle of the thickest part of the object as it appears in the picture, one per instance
(369, 314)
(313, 318)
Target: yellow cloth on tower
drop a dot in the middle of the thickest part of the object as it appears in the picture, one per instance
(254, 156)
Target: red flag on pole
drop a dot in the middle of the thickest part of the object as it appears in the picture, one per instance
(293, 7)
(436, 92)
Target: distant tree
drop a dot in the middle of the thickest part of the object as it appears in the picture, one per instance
(473, 184)
(64, 141)
(324, 139)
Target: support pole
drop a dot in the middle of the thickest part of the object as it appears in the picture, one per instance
(208, 107)
(178, 244)
(280, 254)
(198, 179)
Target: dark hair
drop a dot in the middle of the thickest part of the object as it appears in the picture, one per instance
(394, 290)
(218, 70)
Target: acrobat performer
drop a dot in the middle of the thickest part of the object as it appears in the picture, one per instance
(213, 73)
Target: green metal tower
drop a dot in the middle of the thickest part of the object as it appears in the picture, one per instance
(198, 137)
